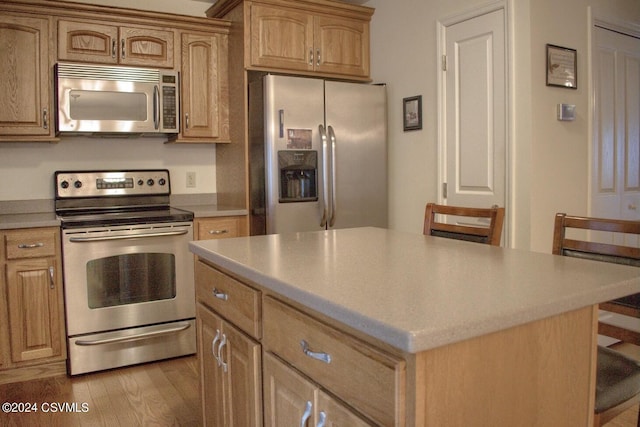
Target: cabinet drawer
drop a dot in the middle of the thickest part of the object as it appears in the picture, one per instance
(370, 381)
(218, 228)
(31, 243)
(233, 300)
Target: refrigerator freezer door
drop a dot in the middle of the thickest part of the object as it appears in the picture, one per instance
(356, 117)
(294, 108)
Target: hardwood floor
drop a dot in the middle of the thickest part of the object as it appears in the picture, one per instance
(163, 393)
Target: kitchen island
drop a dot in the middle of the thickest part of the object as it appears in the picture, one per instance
(442, 332)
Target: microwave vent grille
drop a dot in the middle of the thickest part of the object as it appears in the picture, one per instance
(98, 72)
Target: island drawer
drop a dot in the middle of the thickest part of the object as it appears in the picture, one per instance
(30, 243)
(230, 298)
(371, 381)
(217, 228)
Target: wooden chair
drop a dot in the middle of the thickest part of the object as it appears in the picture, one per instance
(490, 234)
(618, 377)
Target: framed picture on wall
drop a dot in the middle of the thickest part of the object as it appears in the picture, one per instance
(412, 113)
(562, 67)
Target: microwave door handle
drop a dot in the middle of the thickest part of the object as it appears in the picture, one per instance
(156, 107)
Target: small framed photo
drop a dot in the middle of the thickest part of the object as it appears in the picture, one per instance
(562, 67)
(412, 113)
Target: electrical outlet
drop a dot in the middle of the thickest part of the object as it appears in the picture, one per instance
(191, 179)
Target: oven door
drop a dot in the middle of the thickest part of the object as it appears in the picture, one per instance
(127, 276)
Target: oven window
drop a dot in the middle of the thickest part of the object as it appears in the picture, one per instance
(130, 279)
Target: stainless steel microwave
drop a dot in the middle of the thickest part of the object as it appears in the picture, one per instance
(116, 100)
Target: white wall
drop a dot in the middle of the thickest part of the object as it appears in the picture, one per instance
(549, 159)
(26, 169)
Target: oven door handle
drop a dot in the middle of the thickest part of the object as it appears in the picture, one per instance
(126, 237)
(144, 335)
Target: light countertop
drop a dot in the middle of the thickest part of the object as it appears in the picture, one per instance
(418, 292)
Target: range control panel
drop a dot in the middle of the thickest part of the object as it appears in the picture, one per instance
(75, 184)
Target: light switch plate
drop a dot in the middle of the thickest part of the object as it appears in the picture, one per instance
(566, 112)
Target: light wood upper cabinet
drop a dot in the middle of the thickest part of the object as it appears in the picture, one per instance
(281, 38)
(296, 40)
(205, 91)
(25, 78)
(89, 41)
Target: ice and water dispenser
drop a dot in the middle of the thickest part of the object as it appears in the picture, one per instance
(298, 175)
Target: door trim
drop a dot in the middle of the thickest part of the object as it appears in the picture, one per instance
(441, 26)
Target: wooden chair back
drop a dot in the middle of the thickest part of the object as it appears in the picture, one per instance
(490, 234)
(562, 245)
(610, 364)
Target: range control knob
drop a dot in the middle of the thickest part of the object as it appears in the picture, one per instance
(140, 182)
(162, 181)
(77, 184)
(150, 182)
(64, 184)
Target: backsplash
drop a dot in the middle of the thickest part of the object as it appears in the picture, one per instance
(31, 165)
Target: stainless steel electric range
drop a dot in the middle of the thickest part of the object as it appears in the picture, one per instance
(128, 273)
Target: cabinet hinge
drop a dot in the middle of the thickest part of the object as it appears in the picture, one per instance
(444, 190)
(444, 62)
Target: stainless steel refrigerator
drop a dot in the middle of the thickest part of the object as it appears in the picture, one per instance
(318, 154)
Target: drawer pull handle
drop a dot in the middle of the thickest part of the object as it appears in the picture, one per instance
(213, 346)
(30, 245)
(220, 295)
(223, 343)
(323, 357)
(218, 232)
(322, 419)
(306, 415)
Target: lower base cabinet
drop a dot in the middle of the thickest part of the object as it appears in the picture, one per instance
(292, 400)
(230, 367)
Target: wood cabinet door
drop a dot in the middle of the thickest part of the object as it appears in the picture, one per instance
(241, 357)
(34, 296)
(25, 77)
(87, 42)
(209, 328)
(335, 414)
(288, 397)
(205, 88)
(144, 46)
(341, 46)
(5, 356)
(281, 38)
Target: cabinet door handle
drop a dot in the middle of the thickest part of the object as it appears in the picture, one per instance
(213, 346)
(306, 415)
(311, 56)
(45, 119)
(186, 120)
(223, 343)
(322, 419)
(318, 57)
(114, 48)
(220, 295)
(218, 232)
(323, 357)
(122, 50)
(52, 277)
(30, 245)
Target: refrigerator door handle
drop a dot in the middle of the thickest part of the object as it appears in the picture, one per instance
(325, 175)
(332, 138)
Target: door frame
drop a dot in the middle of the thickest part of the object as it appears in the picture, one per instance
(442, 25)
(613, 24)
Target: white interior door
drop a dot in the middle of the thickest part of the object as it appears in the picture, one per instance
(473, 146)
(615, 177)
